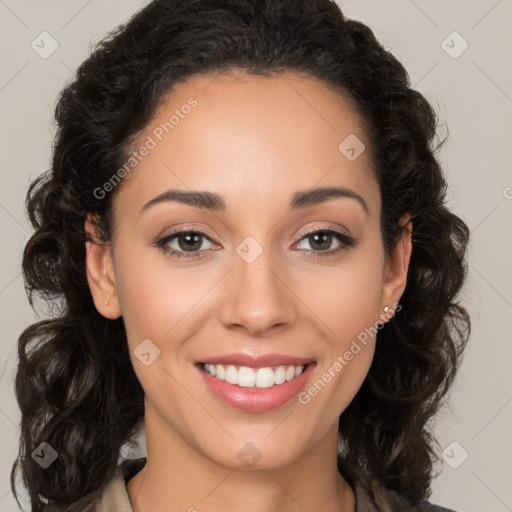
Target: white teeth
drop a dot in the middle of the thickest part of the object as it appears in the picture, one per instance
(231, 375)
(290, 373)
(280, 375)
(265, 378)
(248, 377)
(212, 370)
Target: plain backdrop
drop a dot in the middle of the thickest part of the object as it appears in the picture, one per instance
(457, 54)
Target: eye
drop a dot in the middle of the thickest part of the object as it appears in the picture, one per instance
(189, 243)
(184, 243)
(321, 240)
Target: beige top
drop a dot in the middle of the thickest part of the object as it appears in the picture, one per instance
(115, 496)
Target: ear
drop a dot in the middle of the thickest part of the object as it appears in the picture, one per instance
(100, 272)
(395, 272)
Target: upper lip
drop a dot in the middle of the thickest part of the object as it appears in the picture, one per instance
(253, 361)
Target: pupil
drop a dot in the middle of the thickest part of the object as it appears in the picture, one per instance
(191, 241)
(324, 237)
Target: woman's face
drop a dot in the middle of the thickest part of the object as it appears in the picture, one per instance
(252, 280)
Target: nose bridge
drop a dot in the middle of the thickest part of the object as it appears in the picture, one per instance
(257, 297)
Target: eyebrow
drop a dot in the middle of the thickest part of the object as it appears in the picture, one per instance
(214, 202)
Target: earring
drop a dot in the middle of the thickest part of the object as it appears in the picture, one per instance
(386, 309)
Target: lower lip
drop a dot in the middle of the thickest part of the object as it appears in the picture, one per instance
(256, 399)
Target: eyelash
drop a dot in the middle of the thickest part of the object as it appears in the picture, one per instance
(347, 243)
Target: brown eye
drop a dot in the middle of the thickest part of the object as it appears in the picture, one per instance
(184, 241)
(321, 240)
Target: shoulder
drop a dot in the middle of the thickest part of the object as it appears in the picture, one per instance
(372, 497)
(113, 497)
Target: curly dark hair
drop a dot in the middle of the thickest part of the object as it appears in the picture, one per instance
(75, 384)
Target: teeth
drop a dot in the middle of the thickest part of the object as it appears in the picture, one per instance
(280, 375)
(231, 375)
(248, 377)
(265, 378)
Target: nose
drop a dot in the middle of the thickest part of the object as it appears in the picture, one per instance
(256, 297)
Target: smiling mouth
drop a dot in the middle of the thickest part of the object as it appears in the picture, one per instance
(257, 378)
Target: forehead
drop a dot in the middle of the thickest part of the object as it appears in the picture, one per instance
(232, 131)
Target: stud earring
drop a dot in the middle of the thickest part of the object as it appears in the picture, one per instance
(386, 309)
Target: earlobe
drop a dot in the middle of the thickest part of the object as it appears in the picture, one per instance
(100, 273)
(397, 265)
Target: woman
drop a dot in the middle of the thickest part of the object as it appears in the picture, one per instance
(245, 223)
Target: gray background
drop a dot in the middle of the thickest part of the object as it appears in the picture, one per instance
(472, 93)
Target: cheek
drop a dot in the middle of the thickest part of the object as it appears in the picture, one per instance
(155, 296)
(345, 301)
(158, 303)
(345, 297)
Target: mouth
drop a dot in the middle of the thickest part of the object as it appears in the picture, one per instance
(247, 377)
(257, 385)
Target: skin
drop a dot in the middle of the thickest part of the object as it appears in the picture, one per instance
(255, 141)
